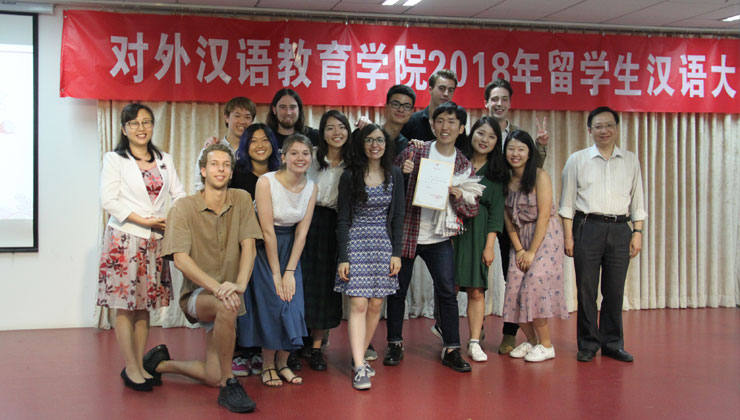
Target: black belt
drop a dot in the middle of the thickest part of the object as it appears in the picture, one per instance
(603, 217)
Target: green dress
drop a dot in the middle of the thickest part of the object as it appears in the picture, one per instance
(469, 268)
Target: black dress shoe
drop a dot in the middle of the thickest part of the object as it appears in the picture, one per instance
(234, 398)
(455, 360)
(393, 354)
(152, 359)
(585, 355)
(144, 386)
(293, 363)
(619, 354)
(317, 361)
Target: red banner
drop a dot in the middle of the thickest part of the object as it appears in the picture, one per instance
(194, 58)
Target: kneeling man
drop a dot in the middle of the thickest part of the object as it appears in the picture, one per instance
(211, 237)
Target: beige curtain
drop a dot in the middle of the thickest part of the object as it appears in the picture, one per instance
(690, 174)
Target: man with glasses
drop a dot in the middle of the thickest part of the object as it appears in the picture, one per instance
(399, 102)
(442, 86)
(602, 191)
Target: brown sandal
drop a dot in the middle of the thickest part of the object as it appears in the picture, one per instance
(291, 380)
(271, 381)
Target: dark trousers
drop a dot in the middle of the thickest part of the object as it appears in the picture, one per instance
(504, 243)
(439, 259)
(600, 246)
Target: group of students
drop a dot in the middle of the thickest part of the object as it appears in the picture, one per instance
(288, 218)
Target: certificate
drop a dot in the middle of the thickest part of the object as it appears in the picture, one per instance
(433, 183)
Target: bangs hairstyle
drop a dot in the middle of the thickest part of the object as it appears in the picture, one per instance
(204, 157)
(272, 120)
(360, 162)
(243, 161)
(496, 168)
(290, 141)
(529, 177)
(123, 148)
(323, 148)
(240, 102)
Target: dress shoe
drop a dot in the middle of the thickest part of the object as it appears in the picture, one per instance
(455, 360)
(619, 354)
(293, 363)
(585, 355)
(152, 359)
(393, 354)
(143, 386)
(317, 361)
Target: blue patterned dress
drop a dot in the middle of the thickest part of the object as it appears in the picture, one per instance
(369, 248)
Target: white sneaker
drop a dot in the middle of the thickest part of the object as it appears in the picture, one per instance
(476, 353)
(540, 353)
(521, 350)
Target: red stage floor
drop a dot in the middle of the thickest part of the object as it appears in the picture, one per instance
(687, 366)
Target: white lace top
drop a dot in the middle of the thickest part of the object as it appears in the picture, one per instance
(288, 208)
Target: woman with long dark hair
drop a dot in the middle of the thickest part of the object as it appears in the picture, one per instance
(474, 249)
(534, 290)
(137, 182)
(323, 304)
(370, 234)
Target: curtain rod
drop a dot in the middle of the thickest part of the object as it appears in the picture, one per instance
(238, 11)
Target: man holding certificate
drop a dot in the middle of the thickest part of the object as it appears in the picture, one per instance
(427, 196)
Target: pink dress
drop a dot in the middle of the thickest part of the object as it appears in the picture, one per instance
(132, 274)
(538, 293)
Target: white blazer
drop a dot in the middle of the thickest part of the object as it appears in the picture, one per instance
(122, 191)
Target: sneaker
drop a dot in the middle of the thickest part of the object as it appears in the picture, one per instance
(475, 352)
(361, 380)
(437, 332)
(256, 362)
(370, 370)
(540, 353)
(317, 361)
(370, 353)
(508, 342)
(393, 354)
(241, 367)
(233, 397)
(455, 360)
(521, 350)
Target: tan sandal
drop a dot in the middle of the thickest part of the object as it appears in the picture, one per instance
(272, 380)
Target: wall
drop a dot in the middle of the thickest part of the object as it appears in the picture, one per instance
(56, 287)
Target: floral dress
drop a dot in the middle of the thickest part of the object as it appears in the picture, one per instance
(132, 274)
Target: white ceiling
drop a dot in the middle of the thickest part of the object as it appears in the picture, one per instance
(699, 14)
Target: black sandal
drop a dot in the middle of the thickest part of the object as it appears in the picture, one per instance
(270, 382)
(291, 380)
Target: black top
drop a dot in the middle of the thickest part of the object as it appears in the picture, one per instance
(244, 180)
(418, 128)
(393, 223)
(311, 133)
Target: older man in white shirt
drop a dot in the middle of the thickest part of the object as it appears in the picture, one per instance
(602, 191)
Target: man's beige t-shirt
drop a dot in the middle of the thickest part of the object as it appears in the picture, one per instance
(211, 239)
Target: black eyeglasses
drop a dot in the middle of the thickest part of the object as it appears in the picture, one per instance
(377, 140)
(405, 107)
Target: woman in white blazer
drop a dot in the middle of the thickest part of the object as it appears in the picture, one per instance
(138, 180)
